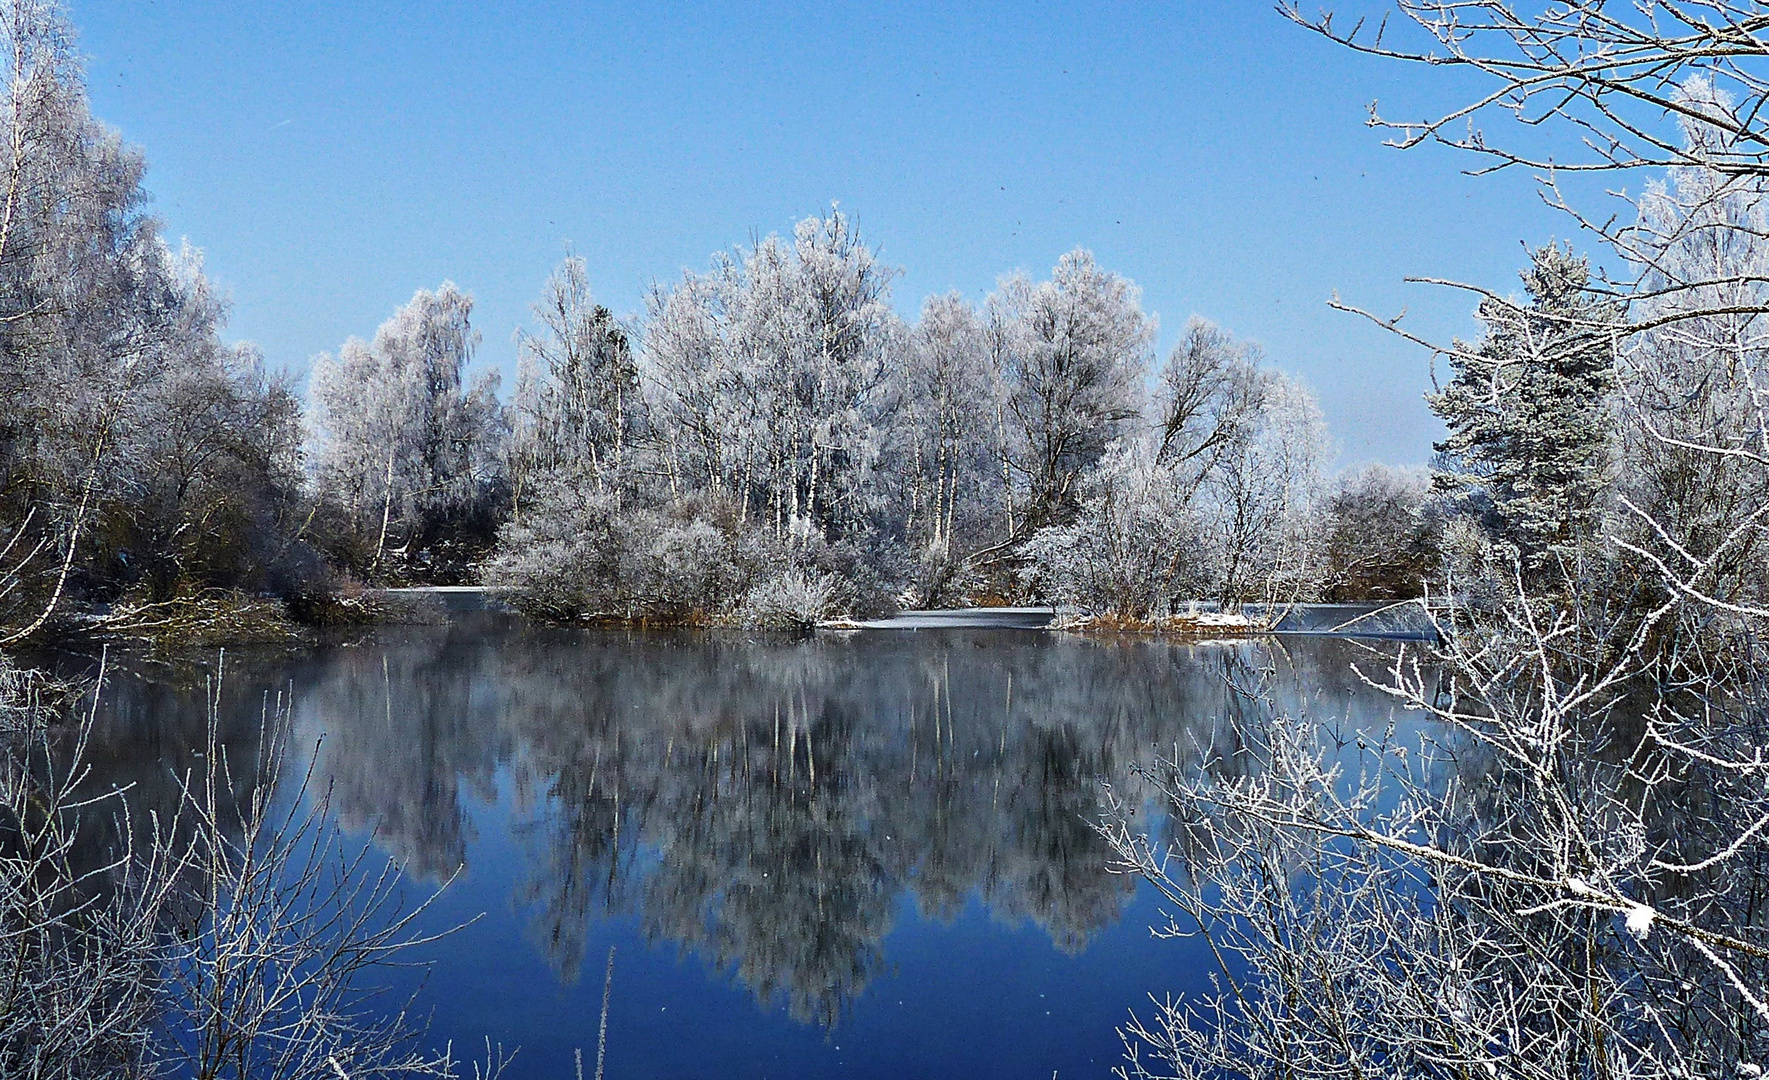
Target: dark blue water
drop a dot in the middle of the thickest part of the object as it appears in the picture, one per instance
(862, 855)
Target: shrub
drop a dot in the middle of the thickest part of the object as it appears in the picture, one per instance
(790, 600)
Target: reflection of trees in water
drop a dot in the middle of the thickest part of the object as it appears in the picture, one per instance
(148, 737)
(407, 725)
(766, 804)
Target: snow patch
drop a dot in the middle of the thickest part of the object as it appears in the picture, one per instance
(1640, 918)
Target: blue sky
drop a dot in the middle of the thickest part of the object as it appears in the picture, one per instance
(332, 158)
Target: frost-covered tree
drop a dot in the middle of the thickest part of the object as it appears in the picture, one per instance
(754, 480)
(1136, 548)
(215, 491)
(578, 408)
(1695, 464)
(1215, 500)
(138, 453)
(1207, 399)
(768, 375)
(1529, 409)
(946, 393)
(409, 454)
(1260, 499)
(595, 533)
(1380, 535)
(947, 446)
(1073, 353)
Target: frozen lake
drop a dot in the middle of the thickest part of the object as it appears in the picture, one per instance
(863, 854)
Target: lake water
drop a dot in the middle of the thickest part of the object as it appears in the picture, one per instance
(857, 855)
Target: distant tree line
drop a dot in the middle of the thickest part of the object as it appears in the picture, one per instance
(772, 443)
(769, 442)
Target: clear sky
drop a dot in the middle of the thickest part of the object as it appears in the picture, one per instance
(330, 159)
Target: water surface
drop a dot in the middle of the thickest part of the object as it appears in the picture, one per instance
(857, 855)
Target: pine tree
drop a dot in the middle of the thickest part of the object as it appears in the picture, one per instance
(1528, 410)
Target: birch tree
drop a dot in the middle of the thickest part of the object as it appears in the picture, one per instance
(769, 377)
(948, 445)
(408, 452)
(1260, 500)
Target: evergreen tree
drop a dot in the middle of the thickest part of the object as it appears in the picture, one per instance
(1528, 410)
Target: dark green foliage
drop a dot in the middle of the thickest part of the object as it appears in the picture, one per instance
(1529, 412)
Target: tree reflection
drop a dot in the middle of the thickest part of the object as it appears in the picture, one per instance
(768, 805)
(401, 729)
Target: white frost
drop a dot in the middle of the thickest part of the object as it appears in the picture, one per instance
(1640, 918)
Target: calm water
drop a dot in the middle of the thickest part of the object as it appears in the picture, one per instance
(860, 856)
